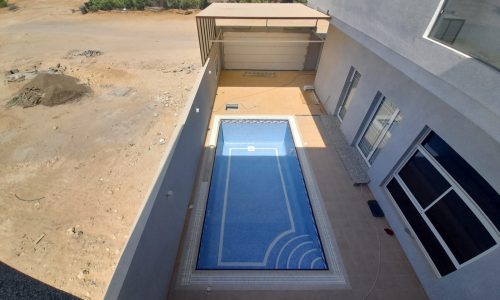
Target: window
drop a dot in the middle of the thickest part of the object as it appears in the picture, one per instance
(453, 211)
(429, 241)
(469, 179)
(349, 90)
(470, 26)
(378, 131)
(448, 29)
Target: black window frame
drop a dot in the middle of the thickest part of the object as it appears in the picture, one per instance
(455, 187)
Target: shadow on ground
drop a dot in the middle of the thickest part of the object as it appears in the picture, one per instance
(17, 285)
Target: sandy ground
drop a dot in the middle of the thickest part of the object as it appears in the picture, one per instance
(86, 166)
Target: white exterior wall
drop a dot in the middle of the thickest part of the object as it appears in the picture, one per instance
(420, 108)
(394, 31)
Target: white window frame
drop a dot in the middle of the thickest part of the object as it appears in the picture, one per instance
(348, 89)
(367, 124)
(454, 186)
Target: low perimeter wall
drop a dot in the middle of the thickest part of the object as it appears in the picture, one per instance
(147, 262)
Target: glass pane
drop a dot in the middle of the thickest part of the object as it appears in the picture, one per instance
(440, 28)
(386, 137)
(471, 26)
(423, 180)
(459, 227)
(434, 249)
(380, 121)
(353, 85)
(474, 184)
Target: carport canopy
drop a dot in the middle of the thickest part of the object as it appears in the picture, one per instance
(285, 15)
(261, 11)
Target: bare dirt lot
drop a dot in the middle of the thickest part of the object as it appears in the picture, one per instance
(73, 177)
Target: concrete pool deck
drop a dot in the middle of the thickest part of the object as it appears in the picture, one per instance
(375, 264)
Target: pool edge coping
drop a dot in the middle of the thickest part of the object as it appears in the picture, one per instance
(190, 278)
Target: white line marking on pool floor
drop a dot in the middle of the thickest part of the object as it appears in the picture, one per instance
(220, 262)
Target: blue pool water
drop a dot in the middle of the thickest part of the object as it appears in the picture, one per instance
(258, 214)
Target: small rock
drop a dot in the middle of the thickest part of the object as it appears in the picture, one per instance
(10, 72)
(90, 53)
(55, 127)
(155, 114)
(16, 77)
(162, 141)
(58, 69)
(121, 92)
(74, 232)
(82, 274)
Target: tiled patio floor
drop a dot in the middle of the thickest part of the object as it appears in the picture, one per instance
(374, 261)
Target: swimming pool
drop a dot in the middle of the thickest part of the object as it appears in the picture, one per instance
(258, 215)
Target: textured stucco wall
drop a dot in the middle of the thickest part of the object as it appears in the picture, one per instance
(420, 108)
(394, 31)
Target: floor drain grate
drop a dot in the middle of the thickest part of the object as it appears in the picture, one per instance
(232, 106)
(259, 74)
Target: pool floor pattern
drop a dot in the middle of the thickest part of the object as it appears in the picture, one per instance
(258, 214)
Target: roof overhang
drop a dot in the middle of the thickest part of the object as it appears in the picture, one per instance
(261, 11)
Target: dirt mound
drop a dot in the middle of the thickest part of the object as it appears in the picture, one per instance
(50, 90)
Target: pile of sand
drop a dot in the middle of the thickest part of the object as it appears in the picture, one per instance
(50, 90)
